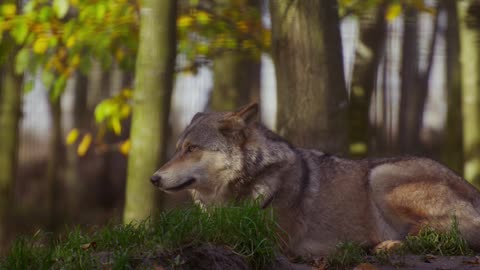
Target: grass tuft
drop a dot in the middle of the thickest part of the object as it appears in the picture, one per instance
(346, 255)
(246, 229)
(430, 241)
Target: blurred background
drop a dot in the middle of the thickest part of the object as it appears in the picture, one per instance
(93, 93)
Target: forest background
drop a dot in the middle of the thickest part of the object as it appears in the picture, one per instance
(93, 93)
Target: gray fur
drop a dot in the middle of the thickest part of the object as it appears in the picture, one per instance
(319, 199)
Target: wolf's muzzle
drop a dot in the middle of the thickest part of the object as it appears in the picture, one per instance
(155, 179)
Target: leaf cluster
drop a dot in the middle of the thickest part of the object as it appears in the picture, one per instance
(60, 37)
(207, 29)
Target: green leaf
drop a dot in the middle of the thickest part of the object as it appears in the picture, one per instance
(45, 14)
(101, 111)
(60, 7)
(47, 78)
(28, 86)
(20, 32)
(21, 60)
(58, 87)
(100, 11)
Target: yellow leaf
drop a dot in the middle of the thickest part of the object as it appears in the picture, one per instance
(71, 41)
(119, 54)
(125, 110)
(116, 126)
(9, 10)
(125, 147)
(72, 136)
(203, 17)
(358, 148)
(40, 45)
(184, 21)
(393, 11)
(248, 44)
(84, 145)
(242, 26)
(202, 48)
(74, 3)
(75, 60)
(127, 93)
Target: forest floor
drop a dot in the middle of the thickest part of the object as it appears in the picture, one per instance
(230, 237)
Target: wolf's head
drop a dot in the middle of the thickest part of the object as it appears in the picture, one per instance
(208, 153)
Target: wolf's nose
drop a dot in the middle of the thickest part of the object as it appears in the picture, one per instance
(155, 179)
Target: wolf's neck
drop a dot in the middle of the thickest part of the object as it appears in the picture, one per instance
(269, 160)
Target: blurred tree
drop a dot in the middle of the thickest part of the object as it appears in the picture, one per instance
(81, 117)
(369, 52)
(10, 112)
(307, 51)
(453, 144)
(153, 85)
(414, 83)
(236, 72)
(236, 81)
(470, 60)
(55, 163)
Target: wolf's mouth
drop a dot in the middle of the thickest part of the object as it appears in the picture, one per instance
(181, 186)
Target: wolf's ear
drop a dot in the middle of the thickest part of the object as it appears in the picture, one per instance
(248, 112)
(239, 119)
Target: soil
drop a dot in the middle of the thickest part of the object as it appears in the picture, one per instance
(210, 257)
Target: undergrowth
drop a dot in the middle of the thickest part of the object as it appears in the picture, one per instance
(429, 241)
(246, 229)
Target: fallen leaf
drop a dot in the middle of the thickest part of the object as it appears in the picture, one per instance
(429, 258)
(87, 246)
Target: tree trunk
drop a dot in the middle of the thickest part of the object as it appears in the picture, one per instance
(414, 84)
(470, 60)
(10, 112)
(453, 143)
(81, 118)
(367, 60)
(410, 117)
(153, 86)
(54, 165)
(307, 52)
(236, 80)
(236, 76)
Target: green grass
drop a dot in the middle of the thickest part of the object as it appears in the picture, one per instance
(346, 255)
(429, 241)
(245, 229)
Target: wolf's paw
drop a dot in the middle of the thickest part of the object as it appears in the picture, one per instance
(387, 246)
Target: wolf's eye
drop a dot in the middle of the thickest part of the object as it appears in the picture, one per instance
(191, 148)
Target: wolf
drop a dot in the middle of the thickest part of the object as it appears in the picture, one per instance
(319, 199)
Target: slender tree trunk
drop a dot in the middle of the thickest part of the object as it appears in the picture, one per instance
(307, 51)
(453, 144)
(409, 127)
(153, 86)
(10, 111)
(236, 76)
(470, 60)
(54, 165)
(414, 84)
(236, 80)
(365, 71)
(81, 118)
